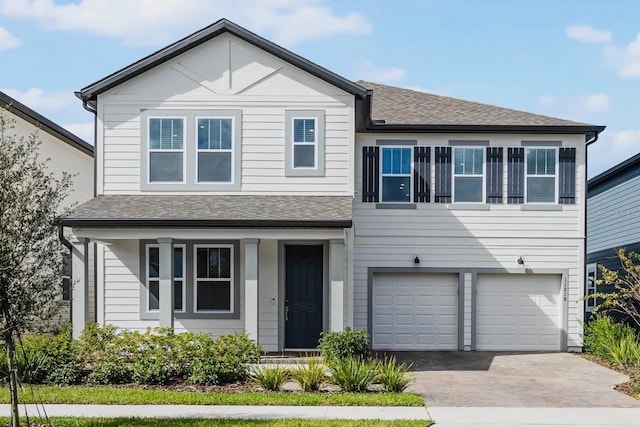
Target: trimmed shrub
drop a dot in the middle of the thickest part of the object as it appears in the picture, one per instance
(232, 354)
(354, 374)
(393, 376)
(344, 344)
(271, 379)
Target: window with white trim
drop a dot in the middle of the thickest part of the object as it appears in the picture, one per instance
(540, 175)
(590, 288)
(166, 150)
(395, 179)
(215, 160)
(305, 143)
(153, 278)
(214, 278)
(468, 175)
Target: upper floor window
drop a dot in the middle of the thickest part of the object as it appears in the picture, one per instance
(215, 149)
(468, 174)
(190, 150)
(541, 175)
(396, 174)
(166, 150)
(304, 144)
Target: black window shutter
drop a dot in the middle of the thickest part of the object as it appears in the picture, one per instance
(494, 175)
(515, 175)
(443, 174)
(370, 174)
(421, 171)
(567, 176)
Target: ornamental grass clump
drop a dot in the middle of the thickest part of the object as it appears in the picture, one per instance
(270, 379)
(353, 374)
(393, 376)
(310, 376)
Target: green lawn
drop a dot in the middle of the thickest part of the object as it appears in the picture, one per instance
(184, 422)
(137, 396)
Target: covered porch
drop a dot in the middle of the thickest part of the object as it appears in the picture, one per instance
(281, 281)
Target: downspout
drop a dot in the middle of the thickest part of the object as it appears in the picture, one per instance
(589, 139)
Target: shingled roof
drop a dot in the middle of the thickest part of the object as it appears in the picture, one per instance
(400, 106)
(213, 211)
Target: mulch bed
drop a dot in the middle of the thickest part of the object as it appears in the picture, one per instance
(632, 387)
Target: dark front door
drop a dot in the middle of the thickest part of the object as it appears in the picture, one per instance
(303, 295)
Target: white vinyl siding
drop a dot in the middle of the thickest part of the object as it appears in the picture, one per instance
(262, 91)
(490, 237)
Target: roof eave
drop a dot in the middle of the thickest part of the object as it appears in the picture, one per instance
(631, 164)
(445, 128)
(90, 93)
(50, 127)
(189, 223)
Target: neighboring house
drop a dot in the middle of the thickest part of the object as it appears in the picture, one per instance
(241, 187)
(613, 213)
(66, 153)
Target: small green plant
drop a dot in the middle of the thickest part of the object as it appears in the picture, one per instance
(270, 379)
(626, 352)
(310, 376)
(353, 374)
(343, 344)
(150, 371)
(601, 334)
(111, 371)
(393, 376)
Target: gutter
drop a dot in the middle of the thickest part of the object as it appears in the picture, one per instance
(63, 239)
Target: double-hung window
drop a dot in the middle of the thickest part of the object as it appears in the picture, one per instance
(305, 143)
(396, 174)
(66, 276)
(166, 150)
(540, 178)
(468, 174)
(592, 276)
(214, 278)
(215, 150)
(153, 278)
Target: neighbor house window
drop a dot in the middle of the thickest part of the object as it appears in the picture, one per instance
(540, 178)
(65, 293)
(304, 145)
(468, 174)
(396, 174)
(215, 149)
(166, 150)
(214, 278)
(592, 276)
(153, 278)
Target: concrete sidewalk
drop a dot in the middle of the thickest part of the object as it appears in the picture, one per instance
(211, 411)
(538, 417)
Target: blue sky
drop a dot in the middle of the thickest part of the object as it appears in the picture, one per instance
(574, 59)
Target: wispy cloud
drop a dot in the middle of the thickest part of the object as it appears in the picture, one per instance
(625, 59)
(546, 100)
(7, 40)
(588, 34)
(39, 99)
(613, 148)
(155, 22)
(596, 103)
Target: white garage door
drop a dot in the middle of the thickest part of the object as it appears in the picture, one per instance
(415, 312)
(518, 312)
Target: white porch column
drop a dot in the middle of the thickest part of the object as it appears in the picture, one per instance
(336, 291)
(166, 282)
(251, 287)
(79, 301)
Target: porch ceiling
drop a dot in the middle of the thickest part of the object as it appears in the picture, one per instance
(213, 211)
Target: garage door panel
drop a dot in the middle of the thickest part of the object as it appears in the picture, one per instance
(518, 312)
(417, 311)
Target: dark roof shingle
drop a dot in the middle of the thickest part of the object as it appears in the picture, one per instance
(205, 210)
(402, 106)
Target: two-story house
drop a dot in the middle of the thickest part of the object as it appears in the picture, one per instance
(241, 187)
(65, 152)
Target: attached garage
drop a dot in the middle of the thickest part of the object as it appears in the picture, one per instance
(414, 311)
(519, 312)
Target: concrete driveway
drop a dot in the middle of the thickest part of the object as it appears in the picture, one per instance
(488, 379)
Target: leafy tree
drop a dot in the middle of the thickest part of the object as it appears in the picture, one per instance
(30, 250)
(624, 296)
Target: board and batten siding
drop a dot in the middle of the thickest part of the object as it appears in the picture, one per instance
(612, 217)
(261, 86)
(443, 236)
